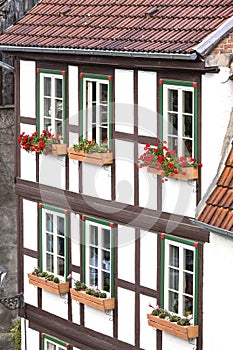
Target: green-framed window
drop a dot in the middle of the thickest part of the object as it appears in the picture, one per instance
(54, 241)
(179, 276)
(50, 343)
(179, 116)
(95, 107)
(98, 254)
(51, 102)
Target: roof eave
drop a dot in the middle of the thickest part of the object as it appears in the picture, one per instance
(212, 228)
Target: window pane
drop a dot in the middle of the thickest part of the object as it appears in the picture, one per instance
(58, 88)
(93, 235)
(106, 238)
(49, 263)
(188, 259)
(172, 123)
(187, 148)
(60, 226)
(94, 256)
(47, 124)
(173, 279)
(58, 127)
(188, 306)
(173, 100)
(173, 256)
(60, 246)
(47, 86)
(105, 281)
(173, 143)
(103, 93)
(58, 109)
(93, 276)
(187, 102)
(49, 243)
(106, 260)
(103, 115)
(187, 126)
(49, 222)
(103, 133)
(173, 305)
(188, 283)
(50, 346)
(47, 107)
(60, 266)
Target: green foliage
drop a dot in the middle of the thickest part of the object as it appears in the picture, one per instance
(15, 335)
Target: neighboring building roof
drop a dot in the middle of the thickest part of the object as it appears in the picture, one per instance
(126, 26)
(218, 210)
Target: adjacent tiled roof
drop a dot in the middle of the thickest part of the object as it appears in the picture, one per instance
(218, 210)
(161, 26)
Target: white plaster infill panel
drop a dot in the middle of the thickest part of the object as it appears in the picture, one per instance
(27, 89)
(126, 316)
(30, 291)
(96, 180)
(30, 233)
(27, 160)
(98, 320)
(32, 337)
(73, 166)
(52, 170)
(73, 95)
(171, 342)
(124, 100)
(75, 239)
(147, 333)
(75, 304)
(55, 304)
(147, 106)
(148, 260)
(126, 253)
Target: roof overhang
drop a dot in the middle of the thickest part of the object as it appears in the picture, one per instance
(212, 228)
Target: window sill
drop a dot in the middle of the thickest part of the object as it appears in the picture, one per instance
(92, 158)
(191, 173)
(58, 149)
(90, 300)
(184, 332)
(56, 288)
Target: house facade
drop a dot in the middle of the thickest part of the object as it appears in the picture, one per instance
(130, 75)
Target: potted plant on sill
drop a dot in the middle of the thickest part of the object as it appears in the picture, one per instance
(91, 296)
(90, 152)
(172, 324)
(44, 143)
(48, 282)
(160, 160)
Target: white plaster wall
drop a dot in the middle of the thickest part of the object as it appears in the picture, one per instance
(171, 342)
(32, 337)
(55, 304)
(52, 171)
(147, 333)
(74, 348)
(126, 253)
(75, 304)
(96, 180)
(98, 321)
(148, 261)
(30, 225)
(28, 89)
(30, 291)
(217, 293)
(124, 165)
(73, 166)
(75, 239)
(27, 160)
(179, 197)
(217, 102)
(124, 100)
(147, 106)
(126, 315)
(73, 95)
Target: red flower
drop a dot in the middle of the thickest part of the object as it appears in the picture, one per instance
(160, 159)
(171, 165)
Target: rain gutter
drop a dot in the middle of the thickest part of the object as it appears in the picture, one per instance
(212, 228)
(192, 56)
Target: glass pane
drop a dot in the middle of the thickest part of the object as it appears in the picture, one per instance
(172, 123)
(60, 246)
(58, 127)
(49, 263)
(50, 346)
(94, 256)
(60, 226)
(49, 222)
(187, 126)
(49, 243)
(60, 266)
(173, 100)
(103, 133)
(47, 107)
(103, 93)
(188, 148)
(93, 276)
(106, 238)
(173, 256)
(105, 260)
(188, 283)
(103, 115)
(105, 281)
(47, 86)
(188, 306)
(187, 102)
(58, 88)
(188, 259)
(173, 279)
(93, 235)
(58, 109)
(173, 305)
(47, 124)
(173, 143)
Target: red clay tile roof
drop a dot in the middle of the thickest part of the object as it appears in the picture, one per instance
(218, 210)
(156, 26)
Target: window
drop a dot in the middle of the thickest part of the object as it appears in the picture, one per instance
(54, 242)
(49, 343)
(179, 276)
(98, 255)
(179, 109)
(96, 95)
(51, 102)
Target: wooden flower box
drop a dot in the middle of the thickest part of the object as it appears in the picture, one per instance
(92, 158)
(191, 173)
(58, 149)
(184, 332)
(56, 288)
(97, 303)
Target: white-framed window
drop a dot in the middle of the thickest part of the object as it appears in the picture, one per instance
(51, 90)
(95, 107)
(50, 343)
(98, 255)
(54, 242)
(179, 116)
(180, 277)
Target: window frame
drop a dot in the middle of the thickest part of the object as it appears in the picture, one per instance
(180, 86)
(96, 78)
(41, 73)
(183, 244)
(47, 338)
(86, 222)
(43, 209)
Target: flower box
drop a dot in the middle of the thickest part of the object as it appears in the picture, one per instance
(191, 173)
(56, 288)
(184, 332)
(90, 300)
(58, 149)
(92, 158)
